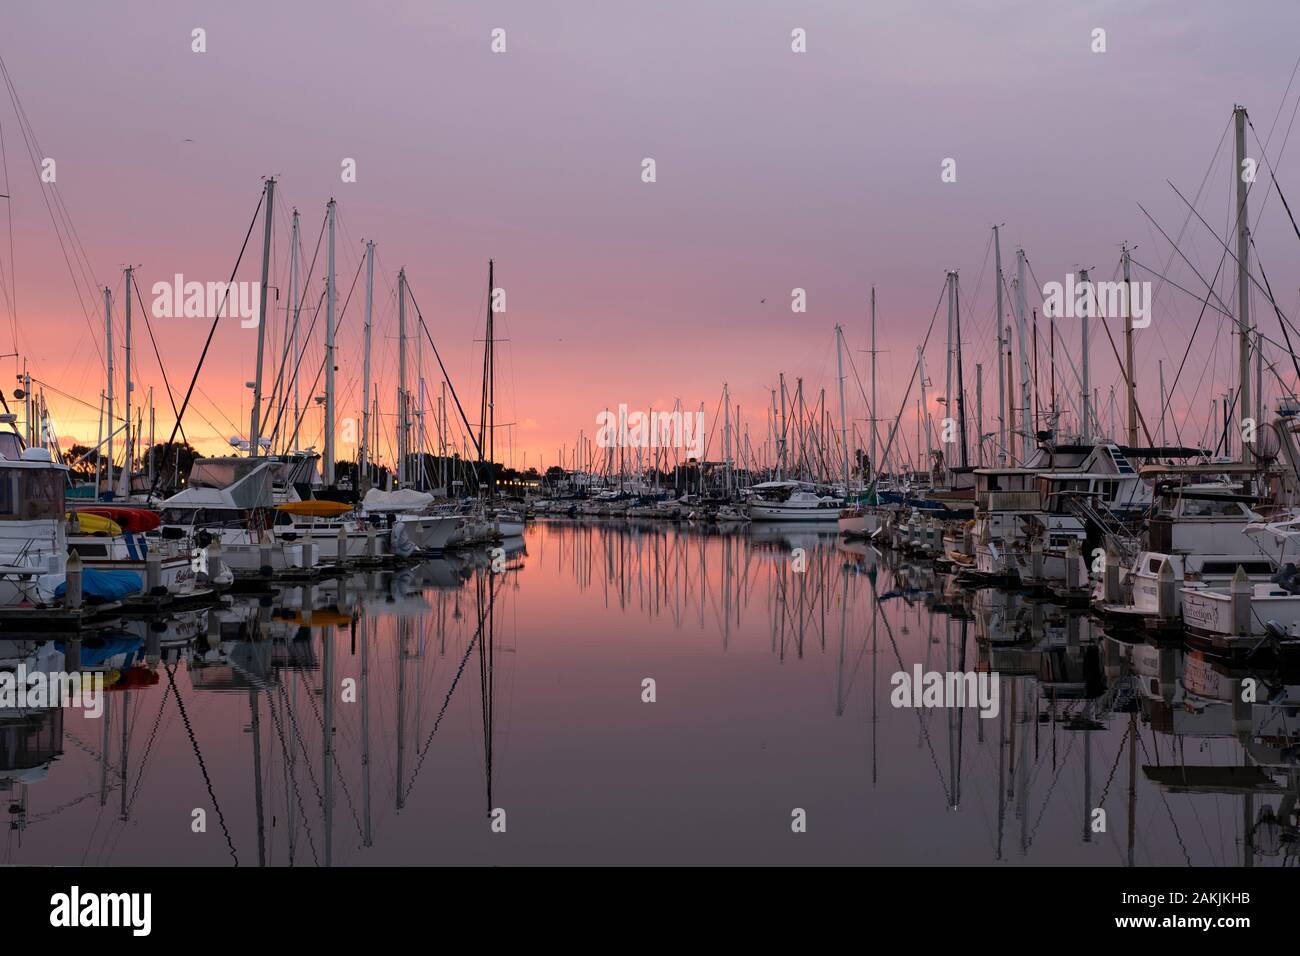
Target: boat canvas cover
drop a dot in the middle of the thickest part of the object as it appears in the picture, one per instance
(404, 499)
(105, 585)
(315, 508)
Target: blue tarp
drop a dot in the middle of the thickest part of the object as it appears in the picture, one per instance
(105, 585)
(96, 649)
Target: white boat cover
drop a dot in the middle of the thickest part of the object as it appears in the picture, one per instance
(404, 499)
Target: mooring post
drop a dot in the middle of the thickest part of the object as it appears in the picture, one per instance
(72, 571)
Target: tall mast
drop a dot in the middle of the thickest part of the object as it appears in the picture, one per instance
(108, 332)
(726, 440)
(128, 386)
(1243, 278)
(363, 456)
(1002, 375)
(923, 413)
(152, 423)
(1129, 369)
(419, 404)
(947, 381)
(401, 377)
(487, 419)
(331, 296)
(1022, 337)
(781, 436)
(871, 462)
(442, 438)
(293, 304)
(961, 387)
(844, 432)
(255, 420)
(1085, 434)
(1161, 365)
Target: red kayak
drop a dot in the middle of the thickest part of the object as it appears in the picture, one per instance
(136, 520)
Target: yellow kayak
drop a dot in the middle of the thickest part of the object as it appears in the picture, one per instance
(96, 524)
(315, 508)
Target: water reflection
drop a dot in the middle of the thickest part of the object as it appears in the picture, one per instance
(488, 709)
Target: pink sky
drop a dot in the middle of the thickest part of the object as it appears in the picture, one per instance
(775, 170)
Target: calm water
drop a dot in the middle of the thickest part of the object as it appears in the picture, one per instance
(522, 690)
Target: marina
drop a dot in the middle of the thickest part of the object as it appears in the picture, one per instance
(451, 451)
(772, 692)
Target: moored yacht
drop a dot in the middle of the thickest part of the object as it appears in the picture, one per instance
(791, 501)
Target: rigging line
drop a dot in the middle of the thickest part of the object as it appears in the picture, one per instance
(478, 633)
(338, 769)
(1234, 259)
(1078, 379)
(884, 455)
(284, 405)
(1290, 351)
(11, 288)
(297, 315)
(1199, 190)
(447, 378)
(1169, 281)
(206, 345)
(1178, 833)
(337, 325)
(1127, 382)
(194, 744)
(144, 761)
(293, 779)
(1204, 304)
(29, 139)
(1263, 147)
(162, 368)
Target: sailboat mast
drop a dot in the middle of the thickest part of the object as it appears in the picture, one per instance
(1022, 339)
(401, 377)
(1243, 279)
(1130, 384)
(126, 464)
(487, 423)
(363, 456)
(871, 463)
(255, 420)
(331, 295)
(293, 304)
(844, 432)
(1086, 430)
(1002, 375)
(961, 387)
(108, 332)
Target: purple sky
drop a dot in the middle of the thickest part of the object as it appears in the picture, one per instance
(775, 170)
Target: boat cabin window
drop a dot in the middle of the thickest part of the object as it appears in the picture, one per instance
(1153, 565)
(91, 550)
(1004, 482)
(30, 494)
(11, 446)
(221, 472)
(195, 517)
(1206, 508)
